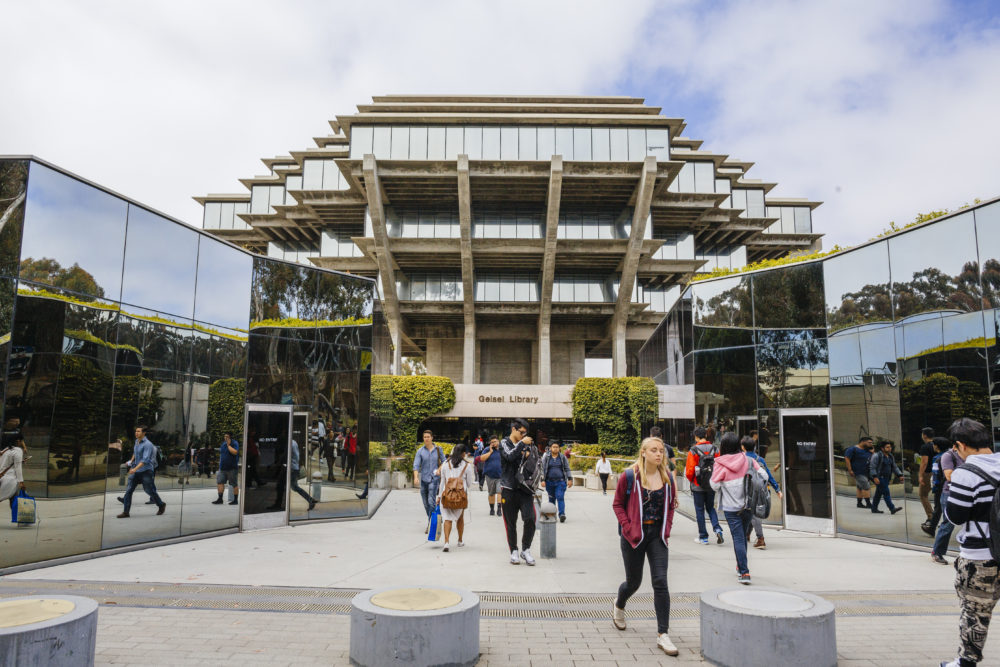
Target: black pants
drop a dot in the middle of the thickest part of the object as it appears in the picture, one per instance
(352, 460)
(514, 501)
(604, 481)
(936, 515)
(654, 550)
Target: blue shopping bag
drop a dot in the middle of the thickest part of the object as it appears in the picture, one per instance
(23, 511)
(434, 532)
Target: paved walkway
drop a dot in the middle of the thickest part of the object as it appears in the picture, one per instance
(286, 592)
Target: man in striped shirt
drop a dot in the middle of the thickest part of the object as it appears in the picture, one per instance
(977, 579)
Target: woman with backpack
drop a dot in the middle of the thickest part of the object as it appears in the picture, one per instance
(731, 467)
(457, 476)
(645, 500)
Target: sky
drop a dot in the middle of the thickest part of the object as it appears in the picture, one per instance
(881, 110)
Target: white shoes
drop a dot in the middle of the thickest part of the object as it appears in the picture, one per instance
(461, 543)
(447, 547)
(515, 559)
(526, 556)
(664, 643)
(618, 616)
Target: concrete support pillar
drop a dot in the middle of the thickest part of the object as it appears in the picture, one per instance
(469, 354)
(548, 270)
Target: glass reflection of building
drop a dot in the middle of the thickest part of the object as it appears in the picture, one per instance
(113, 315)
(893, 336)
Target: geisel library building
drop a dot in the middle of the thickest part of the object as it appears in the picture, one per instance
(514, 238)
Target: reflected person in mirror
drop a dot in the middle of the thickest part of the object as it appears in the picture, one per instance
(882, 468)
(229, 468)
(141, 472)
(12, 458)
(856, 459)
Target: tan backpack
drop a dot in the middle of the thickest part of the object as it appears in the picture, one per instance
(454, 496)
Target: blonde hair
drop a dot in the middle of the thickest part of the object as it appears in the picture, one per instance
(640, 464)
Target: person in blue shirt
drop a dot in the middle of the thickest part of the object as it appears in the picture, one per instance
(856, 458)
(426, 473)
(749, 446)
(881, 469)
(229, 468)
(492, 471)
(556, 477)
(141, 472)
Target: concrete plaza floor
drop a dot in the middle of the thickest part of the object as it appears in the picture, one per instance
(895, 607)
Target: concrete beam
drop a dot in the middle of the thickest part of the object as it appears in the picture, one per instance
(373, 191)
(643, 199)
(548, 270)
(468, 272)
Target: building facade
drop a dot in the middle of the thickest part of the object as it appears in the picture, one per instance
(112, 316)
(882, 340)
(513, 237)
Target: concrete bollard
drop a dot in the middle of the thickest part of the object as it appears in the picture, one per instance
(51, 630)
(317, 486)
(548, 523)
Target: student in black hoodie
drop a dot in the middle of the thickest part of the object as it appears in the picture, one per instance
(513, 497)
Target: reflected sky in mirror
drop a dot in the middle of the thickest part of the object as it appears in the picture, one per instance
(223, 291)
(856, 285)
(160, 263)
(988, 236)
(74, 235)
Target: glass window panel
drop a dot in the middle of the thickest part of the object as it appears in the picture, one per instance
(636, 144)
(259, 200)
(803, 220)
(410, 227)
(435, 143)
(293, 182)
(581, 291)
(474, 142)
(361, 141)
(454, 142)
(493, 290)
(739, 199)
(508, 143)
(723, 185)
(480, 290)
(546, 142)
(507, 288)
(400, 143)
(213, 215)
(704, 177)
(533, 290)
(658, 143)
(433, 287)
(418, 288)
(723, 313)
(581, 144)
(601, 138)
(229, 212)
(223, 287)
(443, 225)
(619, 144)
(685, 179)
(312, 175)
(491, 143)
(590, 229)
(159, 252)
(521, 290)
(277, 197)
(596, 292)
(988, 239)
(381, 141)
(755, 203)
(564, 142)
(508, 226)
(789, 298)
(418, 143)
(526, 143)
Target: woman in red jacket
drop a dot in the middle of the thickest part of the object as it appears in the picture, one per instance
(644, 503)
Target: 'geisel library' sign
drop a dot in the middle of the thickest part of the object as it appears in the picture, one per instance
(553, 401)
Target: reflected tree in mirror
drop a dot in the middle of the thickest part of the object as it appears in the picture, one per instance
(13, 194)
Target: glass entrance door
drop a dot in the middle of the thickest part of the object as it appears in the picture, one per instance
(807, 460)
(268, 435)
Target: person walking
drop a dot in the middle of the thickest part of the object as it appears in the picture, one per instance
(457, 475)
(645, 500)
(698, 471)
(352, 453)
(603, 470)
(229, 469)
(515, 497)
(426, 473)
(479, 448)
(882, 468)
(141, 472)
(556, 478)
(940, 445)
(294, 472)
(924, 472)
(950, 460)
(492, 471)
(749, 445)
(970, 505)
(856, 458)
(727, 478)
(12, 460)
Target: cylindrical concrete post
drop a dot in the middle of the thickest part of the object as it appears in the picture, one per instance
(48, 631)
(547, 524)
(317, 486)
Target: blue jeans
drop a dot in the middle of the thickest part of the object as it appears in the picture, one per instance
(703, 500)
(882, 491)
(739, 526)
(557, 494)
(944, 529)
(428, 494)
(144, 477)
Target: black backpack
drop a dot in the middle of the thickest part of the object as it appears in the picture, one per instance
(703, 470)
(994, 539)
(529, 471)
(756, 498)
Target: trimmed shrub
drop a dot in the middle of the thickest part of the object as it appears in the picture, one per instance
(617, 408)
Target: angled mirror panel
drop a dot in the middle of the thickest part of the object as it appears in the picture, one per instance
(856, 285)
(159, 253)
(223, 290)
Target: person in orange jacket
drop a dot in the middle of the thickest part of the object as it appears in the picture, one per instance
(698, 470)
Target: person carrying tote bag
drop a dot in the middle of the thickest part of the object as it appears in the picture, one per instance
(457, 477)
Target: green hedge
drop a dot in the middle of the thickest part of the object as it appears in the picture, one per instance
(617, 408)
(415, 398)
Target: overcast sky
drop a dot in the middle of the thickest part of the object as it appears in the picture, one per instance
(880, 109)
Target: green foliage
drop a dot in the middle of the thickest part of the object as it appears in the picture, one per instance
(226, 399)
(296, 323)
(768, 263)
(415, 398)
(618, 408)
(49, 272)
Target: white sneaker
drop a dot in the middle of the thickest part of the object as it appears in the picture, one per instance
(461, 544)
(515, 558)
(526, 555)
(663, 641)
(618, 616)
(446, 547)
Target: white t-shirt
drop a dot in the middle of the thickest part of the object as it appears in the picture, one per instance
(603, 467)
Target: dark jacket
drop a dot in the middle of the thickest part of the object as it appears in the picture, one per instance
(547, 460)
(629, 512)
(884, 467)
(511, 456)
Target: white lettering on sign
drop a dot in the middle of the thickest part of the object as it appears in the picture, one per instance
(533, 400)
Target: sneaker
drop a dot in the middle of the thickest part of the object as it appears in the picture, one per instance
(526, 555)
(745, 579)
(461, 543)
(515, 558)
(927, 529)
(664, 643)
(618, 617)
(954, 663)
(120, 499)
(759, 544)
(718, 537)
(312, 503)
(217, 502)
(163, 508)
(123, 515)
(701, 540)
(895, 509)
(562, 518)
(938, 559)
(875, 511)
(605, 493)
(447, 547)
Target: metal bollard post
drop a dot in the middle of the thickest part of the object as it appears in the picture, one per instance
(317, 486)
(122, 474)
(548, 523)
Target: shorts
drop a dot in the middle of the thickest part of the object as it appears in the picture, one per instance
(861, 481)
(492, 485)
(230, 476)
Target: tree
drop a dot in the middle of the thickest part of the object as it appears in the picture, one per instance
(49, 272)
(618, 408)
